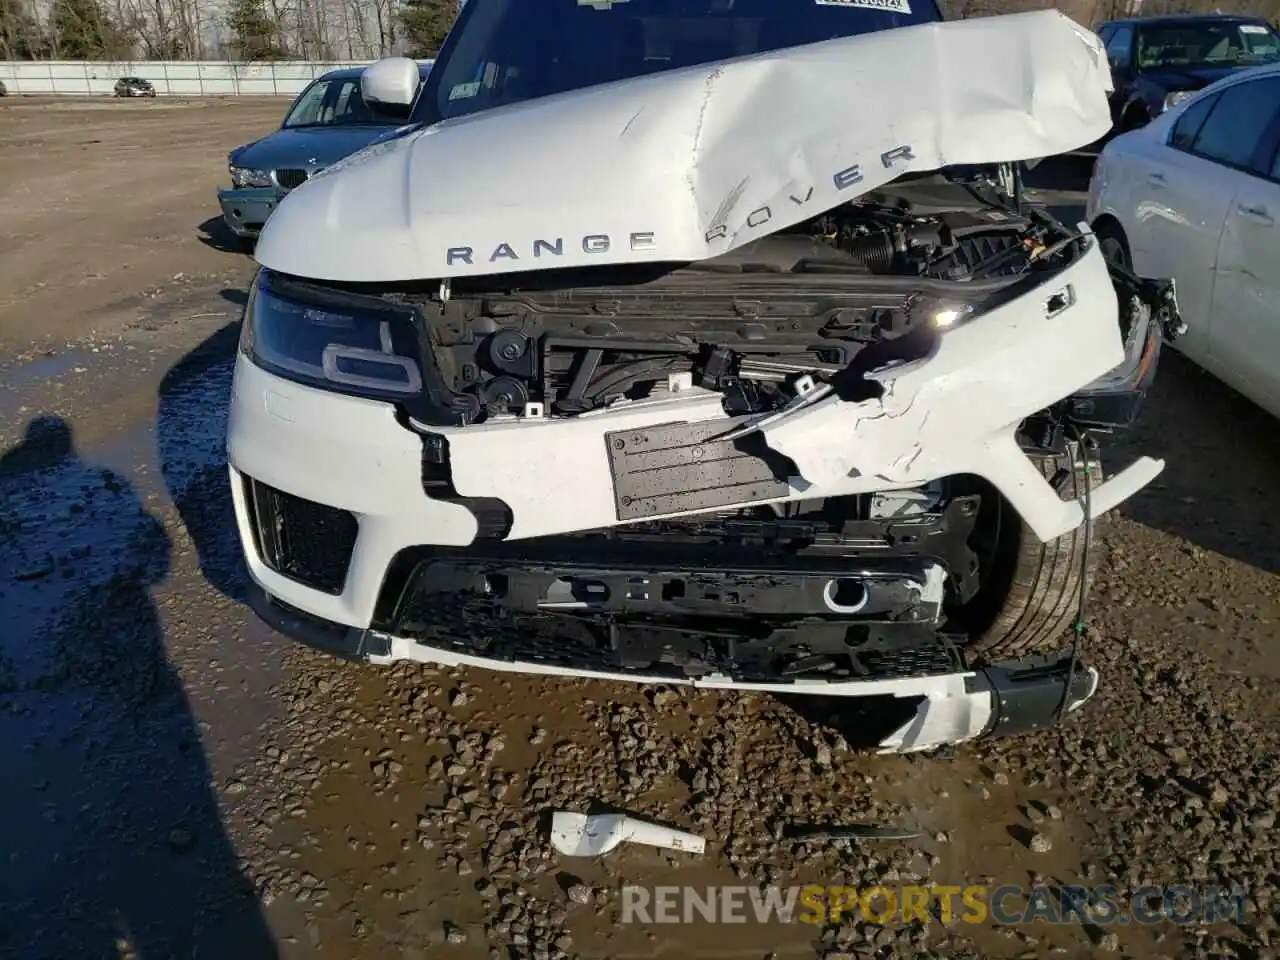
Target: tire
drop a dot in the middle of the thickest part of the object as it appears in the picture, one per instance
(1135, 118)
(1113, 243)
(1031, 590)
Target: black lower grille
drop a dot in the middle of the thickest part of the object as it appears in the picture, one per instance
(300, 539)
(465, 626)
(290, 177)
(531, 612)
(925, 660)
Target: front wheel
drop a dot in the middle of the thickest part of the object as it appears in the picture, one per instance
(1112, 243)
(1031, 590)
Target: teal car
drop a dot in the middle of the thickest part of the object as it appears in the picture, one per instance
(327, 121)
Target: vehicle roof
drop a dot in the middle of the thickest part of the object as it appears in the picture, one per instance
(1185, 18)
(345, 73)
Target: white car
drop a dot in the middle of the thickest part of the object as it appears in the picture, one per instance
(695, 342)
(1196, 196)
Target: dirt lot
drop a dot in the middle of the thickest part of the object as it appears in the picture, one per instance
(104, 201)
(180, 782)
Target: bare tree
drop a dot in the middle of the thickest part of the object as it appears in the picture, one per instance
(386, 16)
(367, 29)
(349, 27)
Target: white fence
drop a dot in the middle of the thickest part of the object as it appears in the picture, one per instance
(188, 78)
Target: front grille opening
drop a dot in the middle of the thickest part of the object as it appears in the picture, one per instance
(290, 177)
(305, 541)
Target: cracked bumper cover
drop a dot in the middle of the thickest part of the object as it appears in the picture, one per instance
(1000, 700)
(954, 412)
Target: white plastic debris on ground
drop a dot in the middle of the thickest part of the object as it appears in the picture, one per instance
(590, 835)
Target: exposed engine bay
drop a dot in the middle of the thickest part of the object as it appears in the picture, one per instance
(887, 271)
(749, 323)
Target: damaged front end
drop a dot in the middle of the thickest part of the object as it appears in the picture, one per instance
(823, 456)
(773, 468)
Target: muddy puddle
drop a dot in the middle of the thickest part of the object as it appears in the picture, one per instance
(114, 835)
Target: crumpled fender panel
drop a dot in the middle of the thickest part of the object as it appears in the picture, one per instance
(688, 164)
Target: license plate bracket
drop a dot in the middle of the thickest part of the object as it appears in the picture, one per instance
(678, 467)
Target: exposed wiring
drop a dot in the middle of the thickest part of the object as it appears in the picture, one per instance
(1057, 246)
(627, 375)
(1078, 626)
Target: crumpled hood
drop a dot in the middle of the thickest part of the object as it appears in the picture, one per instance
(687, 164)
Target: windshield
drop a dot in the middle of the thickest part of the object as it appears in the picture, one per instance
(331, 103)
(1207, 43)
(505, 51)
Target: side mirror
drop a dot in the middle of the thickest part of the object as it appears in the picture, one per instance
(390, 85)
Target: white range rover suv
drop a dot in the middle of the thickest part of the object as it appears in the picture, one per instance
(708, 342)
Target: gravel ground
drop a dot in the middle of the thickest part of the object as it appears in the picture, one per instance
(1169, 778)
(181, 782)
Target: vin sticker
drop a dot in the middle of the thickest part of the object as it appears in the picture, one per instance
(886, 6)
(464, 91)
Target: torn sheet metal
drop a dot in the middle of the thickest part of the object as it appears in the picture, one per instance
(962, 406)
(688, 164)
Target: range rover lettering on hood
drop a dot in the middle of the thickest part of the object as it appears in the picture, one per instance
(599, 243)
(688, 164)
(596, 243)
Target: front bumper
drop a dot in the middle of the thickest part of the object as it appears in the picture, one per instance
(245, 210)
(515, 482)
(1000, 700)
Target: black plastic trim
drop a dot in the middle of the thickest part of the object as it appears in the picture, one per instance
(350, 643)
(310, 543)
(1028, 694)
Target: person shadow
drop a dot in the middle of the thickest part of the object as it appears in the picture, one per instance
(191, 429)
(112, 839)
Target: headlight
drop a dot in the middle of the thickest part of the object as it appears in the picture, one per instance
(940, 315)
(948, 316)
(1175, 98)
(245, 177)
(366, 351)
